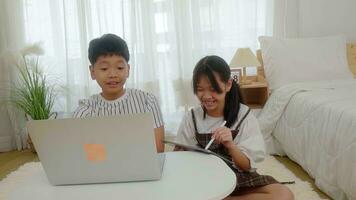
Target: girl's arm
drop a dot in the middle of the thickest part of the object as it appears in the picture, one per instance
(240, 159)
(223, 135)
(185, 133)
(177, 148)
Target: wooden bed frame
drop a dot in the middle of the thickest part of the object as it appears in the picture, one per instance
(351, 57)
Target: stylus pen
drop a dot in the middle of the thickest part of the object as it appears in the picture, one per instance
(212, 139)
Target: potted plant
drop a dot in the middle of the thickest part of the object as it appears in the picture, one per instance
(31, 92)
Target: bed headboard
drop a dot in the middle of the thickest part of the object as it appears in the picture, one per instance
(351, 58)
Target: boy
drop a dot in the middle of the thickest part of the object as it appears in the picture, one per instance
(109, 57)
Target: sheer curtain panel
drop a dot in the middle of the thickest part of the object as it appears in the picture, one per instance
(165, 37)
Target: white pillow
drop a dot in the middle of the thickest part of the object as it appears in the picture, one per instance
(305, 59)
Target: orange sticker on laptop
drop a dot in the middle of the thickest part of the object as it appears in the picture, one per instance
(95, 152)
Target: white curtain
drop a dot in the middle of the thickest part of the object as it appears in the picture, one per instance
(12, 132)
(286, 18)
(165, 38)
(305, 18)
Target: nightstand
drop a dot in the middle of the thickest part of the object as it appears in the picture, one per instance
(255, 94)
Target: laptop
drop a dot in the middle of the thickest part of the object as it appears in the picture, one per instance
(97, 150)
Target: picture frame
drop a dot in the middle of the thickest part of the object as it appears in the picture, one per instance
(236, 74)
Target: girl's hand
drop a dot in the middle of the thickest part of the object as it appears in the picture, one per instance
(177, 148)
(223, 136)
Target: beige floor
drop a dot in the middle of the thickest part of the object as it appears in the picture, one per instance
(10, 161)
(300, 173)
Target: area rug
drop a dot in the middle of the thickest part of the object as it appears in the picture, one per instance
(302, 190)
(9, 184)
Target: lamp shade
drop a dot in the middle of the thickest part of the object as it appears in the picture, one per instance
(244, 58)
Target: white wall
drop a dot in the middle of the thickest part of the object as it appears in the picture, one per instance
(325, 17)
(308, 18)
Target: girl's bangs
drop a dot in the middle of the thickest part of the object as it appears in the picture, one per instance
(205, 70)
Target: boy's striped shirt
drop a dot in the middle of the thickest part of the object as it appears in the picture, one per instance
(132, 102)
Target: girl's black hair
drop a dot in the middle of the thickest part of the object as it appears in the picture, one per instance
(206, 67)
(108, 44)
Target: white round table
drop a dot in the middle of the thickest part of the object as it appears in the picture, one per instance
(186, 175)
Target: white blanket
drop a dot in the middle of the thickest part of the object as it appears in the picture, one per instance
(315, 125)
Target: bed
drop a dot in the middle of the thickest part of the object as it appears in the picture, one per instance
(312, 119)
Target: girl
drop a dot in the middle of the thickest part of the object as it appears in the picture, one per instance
(240, 140)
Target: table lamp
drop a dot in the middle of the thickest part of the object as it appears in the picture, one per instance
(244, 58)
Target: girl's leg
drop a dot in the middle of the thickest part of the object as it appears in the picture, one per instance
(269, 192)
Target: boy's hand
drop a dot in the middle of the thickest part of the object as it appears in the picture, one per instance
(223, 136)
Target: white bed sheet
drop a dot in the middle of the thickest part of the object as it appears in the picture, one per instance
(315, 125)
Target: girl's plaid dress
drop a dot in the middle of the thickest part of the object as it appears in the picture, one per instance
(245, 180)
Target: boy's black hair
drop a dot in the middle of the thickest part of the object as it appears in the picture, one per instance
(108, 44)
(206, 67)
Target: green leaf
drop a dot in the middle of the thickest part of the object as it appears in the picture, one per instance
(31, 92)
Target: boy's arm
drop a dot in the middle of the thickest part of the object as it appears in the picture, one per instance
(159, 135)
(83, 110)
